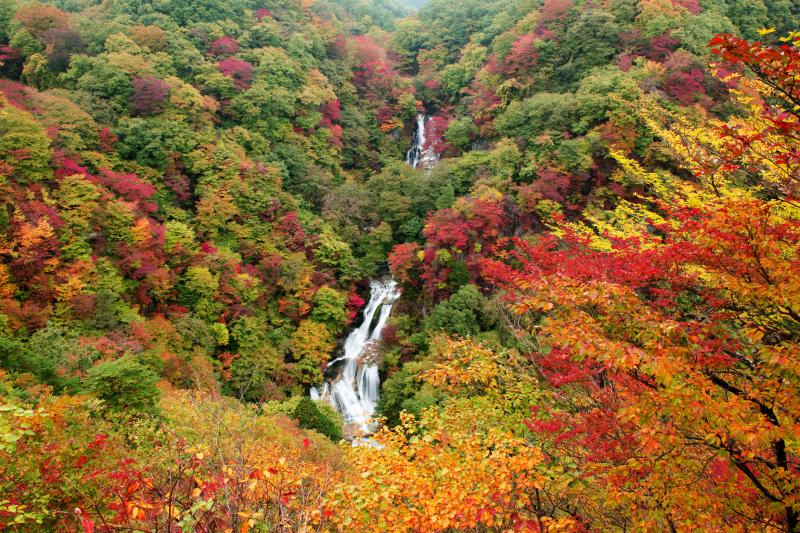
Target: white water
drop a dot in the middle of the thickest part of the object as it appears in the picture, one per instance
(356, 390)
(420, 154)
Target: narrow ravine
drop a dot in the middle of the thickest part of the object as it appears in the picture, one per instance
(355, 390)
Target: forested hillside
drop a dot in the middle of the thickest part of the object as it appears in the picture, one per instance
(590, 210)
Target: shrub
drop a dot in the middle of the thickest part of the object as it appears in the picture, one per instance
(124, 384)
(310, 416)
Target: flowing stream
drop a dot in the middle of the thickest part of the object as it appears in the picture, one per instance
(421, 153)
(355, 390)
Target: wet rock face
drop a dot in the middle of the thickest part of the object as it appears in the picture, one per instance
(351, 431)
(370, 356)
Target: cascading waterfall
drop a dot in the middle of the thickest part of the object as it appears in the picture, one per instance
(421, 154)
(413, 155)
(356, 389)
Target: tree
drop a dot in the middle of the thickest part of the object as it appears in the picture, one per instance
(773, 131)
(7, 9)
(149, 95)
(460, 315)
(456, 240)
(24, 145)
(240, 71)
(678, 337)
(224, 46)
(125, 385)
(461, 133)
(329, 309)
(457, 466)
(254, 375)
(60, 46)
(544, 112)
(312, 344)
(39, 18)
(523, 56)
(333, 253)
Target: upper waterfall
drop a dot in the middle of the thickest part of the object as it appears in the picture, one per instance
(422, 152)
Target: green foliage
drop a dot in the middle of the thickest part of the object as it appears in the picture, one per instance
(402, 391)
(312, 344)
(150, 141)
(53, 356)
(696, 32)
(591, 42)
(458, 76)
(198, 288)
(454, 24)
(462, 314)
(329, 309)
(16, 357)
(461, 132)
(543, 113)
(312, 415)
(125, 385)
(248, 332)
(336, 254)
(103, 88)
(25, 42)
(407, 40)
(13, 427)
(505, 159)
(252, 375)
(179, 239)
(374, 247)
(24, 145)
(63, 350)
(7, 9)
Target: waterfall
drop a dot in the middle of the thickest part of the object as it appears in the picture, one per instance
(413, 155)
(356, 389)
(422, 153)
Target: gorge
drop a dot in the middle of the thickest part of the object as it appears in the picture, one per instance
(355, 388)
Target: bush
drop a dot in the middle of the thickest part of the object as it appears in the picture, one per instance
(310, 416)
(124, 384)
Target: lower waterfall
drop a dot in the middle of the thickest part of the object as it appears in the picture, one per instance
(355, 390)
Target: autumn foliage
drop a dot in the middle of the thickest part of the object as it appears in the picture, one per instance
(667, 339)
(683, 339)
(600, 311)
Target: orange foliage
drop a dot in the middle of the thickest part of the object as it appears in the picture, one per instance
(441, 475)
